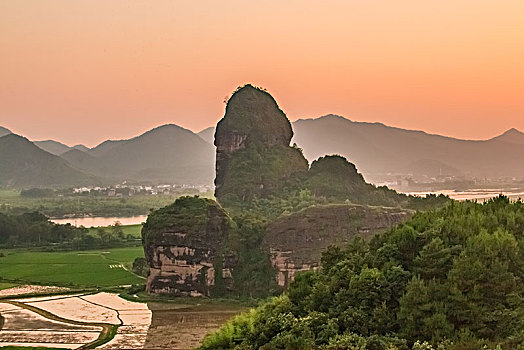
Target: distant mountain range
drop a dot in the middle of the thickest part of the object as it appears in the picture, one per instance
(208, 134)
(167, 154)
(4, 131)
(173, 154)
(24, 164)
(379, 149)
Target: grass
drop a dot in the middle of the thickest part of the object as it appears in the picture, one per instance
(133, 230)
(78, 269)
(12, 202)
(6, 285)
(167, 300)
(6, 194)
(28, 348)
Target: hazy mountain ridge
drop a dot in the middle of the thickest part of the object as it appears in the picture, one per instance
(4, 131)
(377, 148)
(208, 134)
(58, 148)
(80, 159)
(22, 163)
(53, 147)
(511, 136)
(168, 153)
(104, 147)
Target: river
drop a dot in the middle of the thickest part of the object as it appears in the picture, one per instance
(101, 221)
(474, 194)
(480, 195)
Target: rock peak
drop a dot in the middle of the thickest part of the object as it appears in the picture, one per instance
(253, 138)
(512, 136)
(252, 113)
(513, 131)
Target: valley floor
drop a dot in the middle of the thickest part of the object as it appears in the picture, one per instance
(106, 321)
(75, 269)
(81, 321)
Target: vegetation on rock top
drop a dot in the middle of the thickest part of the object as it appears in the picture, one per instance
(255, 161)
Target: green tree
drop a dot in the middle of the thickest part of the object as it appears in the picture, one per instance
(487, 284)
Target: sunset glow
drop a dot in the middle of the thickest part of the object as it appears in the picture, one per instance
(85, 71)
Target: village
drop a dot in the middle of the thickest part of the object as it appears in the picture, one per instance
(129, 190)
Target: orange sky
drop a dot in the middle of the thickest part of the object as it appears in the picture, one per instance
(84, 71)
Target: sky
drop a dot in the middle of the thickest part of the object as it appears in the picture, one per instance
(84, 71)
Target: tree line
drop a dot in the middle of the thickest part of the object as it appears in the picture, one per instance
(449, 278)
(35, 230)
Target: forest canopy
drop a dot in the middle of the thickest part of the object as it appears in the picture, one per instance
(449, 278)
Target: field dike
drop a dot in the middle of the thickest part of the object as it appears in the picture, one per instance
(89, 320)
(106, 335)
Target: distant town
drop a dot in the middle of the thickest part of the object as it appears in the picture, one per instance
(127, 190)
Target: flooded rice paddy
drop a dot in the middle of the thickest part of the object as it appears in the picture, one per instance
(96, 221)
(74, 321)
(82, 321)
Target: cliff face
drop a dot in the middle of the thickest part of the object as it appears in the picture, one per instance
(254, 158)
(296, 241)
(252, 114)
(184, 244)
(195, 248)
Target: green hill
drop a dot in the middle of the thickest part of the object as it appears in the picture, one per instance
(24, 164)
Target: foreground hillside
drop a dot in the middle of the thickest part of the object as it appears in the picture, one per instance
(24, 164)
(450, 277)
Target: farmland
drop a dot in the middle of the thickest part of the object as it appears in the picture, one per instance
(6, 285)
(133, 230)
(59, 206)
(95, 268)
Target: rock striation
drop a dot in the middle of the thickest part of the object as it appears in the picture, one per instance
(254, 157)
(276, 214)
(185, 247)
(296, 241)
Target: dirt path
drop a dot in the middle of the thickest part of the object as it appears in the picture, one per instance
(123, 266)
(107, 333)
(185, 328)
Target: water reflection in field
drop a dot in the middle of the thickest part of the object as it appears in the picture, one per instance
(480, 195)
(101, 221)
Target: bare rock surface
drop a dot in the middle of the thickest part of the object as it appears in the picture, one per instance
(184, 245)
(297, 241)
